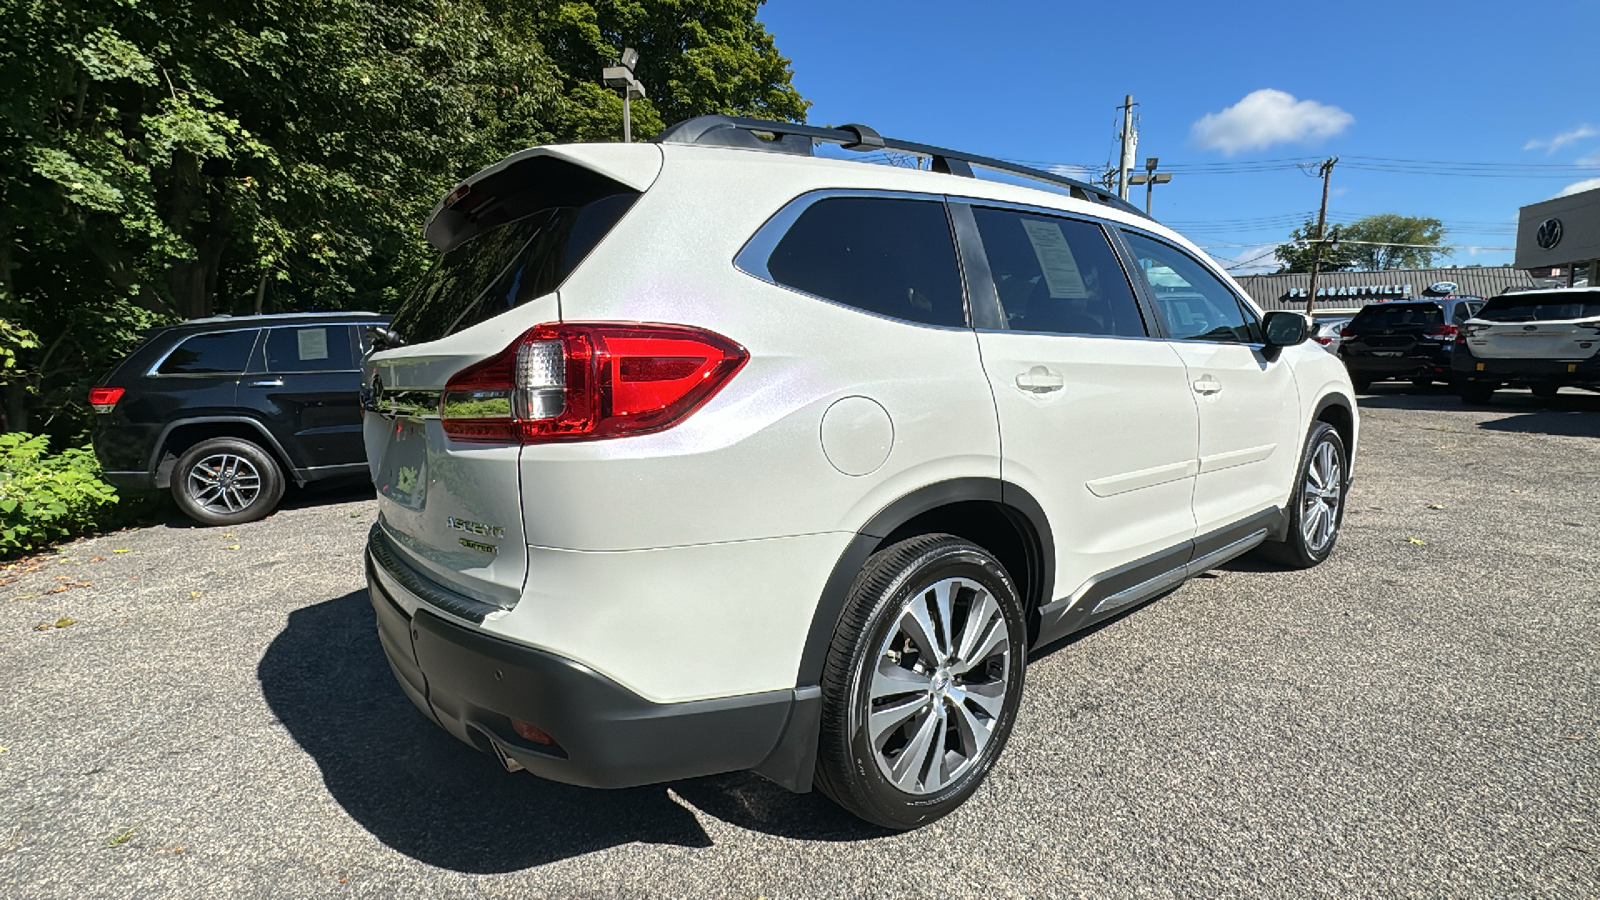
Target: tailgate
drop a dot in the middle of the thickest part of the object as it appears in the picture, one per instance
(1571, 340)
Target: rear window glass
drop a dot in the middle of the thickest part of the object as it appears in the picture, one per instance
(505, 267)
(224, 353)
(890, 257)
(1538, 308)
(1394, 315)
(324, 348)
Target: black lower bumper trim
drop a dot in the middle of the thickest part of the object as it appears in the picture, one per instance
(474, 685)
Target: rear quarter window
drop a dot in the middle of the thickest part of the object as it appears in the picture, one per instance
(223, 353)
(887, 256)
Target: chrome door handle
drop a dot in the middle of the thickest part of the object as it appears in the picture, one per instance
(1207, 385)
(1039, 380)
(268, 382)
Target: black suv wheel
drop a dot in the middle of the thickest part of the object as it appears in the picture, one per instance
(922, 681)
(226, 481)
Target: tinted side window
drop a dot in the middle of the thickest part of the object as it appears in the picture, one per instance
(322, 348)
(1057, 275)
(891, 257)
(1196, 304)
(225, 353)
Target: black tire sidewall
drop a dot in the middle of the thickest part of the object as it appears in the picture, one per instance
(884, 803)
(272, 482)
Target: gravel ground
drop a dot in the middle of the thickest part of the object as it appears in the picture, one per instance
(1416, 717)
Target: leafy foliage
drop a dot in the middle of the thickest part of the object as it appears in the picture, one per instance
(46, 498)
(1384, 241)
(169, 159)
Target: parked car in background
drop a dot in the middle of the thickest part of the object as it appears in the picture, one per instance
(225, 411)
(709, 455)
(1406, 340)
(1544, 340)
(1327, 333)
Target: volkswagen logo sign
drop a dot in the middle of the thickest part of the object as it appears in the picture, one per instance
(1549, 234)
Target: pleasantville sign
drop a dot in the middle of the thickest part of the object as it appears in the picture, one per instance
(1364, 290)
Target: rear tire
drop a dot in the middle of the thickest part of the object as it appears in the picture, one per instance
(226, 481)
(1545, 391)
(1477, 392)
(1362, 385)
(1422, 382)
(922, 681)
(1316, 508)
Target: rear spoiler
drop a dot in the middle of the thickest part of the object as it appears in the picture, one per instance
(540, 178)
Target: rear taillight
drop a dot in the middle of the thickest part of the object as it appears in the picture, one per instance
(104, 399)
(1442, 332)
(1346, 332)
(1324, 341)
(580, 381)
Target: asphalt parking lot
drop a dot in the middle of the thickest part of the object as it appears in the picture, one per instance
(1420, 716)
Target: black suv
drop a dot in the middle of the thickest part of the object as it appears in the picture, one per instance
(1404, 339)
(224, 411)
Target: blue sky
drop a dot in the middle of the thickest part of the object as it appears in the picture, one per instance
(1506, 84)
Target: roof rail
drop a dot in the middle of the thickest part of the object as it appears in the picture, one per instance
(788, 137)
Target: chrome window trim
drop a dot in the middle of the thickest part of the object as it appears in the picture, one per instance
(154, 370)
(752, 257)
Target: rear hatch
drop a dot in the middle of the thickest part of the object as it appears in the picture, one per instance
(1537, 325)
(451, 509)
(1396, 329)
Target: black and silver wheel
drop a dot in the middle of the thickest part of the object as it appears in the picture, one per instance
(1316, 509)
(922, 682)
(226, 481)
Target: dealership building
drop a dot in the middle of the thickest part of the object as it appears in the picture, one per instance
(1353, 290)
(1560, 239)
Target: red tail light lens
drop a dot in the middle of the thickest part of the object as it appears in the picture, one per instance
(1345, 332)
(1324, 341)
(104, 399)
(1442, 332)
(579, 381)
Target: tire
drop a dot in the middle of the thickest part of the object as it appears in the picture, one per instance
(1362, 385)
(880, 647)
(1477, 392)
(1545, 391)
(1321, 482)
(226, 481)
(1422, 382)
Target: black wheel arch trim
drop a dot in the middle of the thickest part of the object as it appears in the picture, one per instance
(1349, 405)
(272, 445)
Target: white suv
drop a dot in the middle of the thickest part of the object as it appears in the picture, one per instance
(1543, 339)
(709, 455)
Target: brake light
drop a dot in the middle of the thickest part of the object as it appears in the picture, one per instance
(1324, 341)
(577, 381)
(104, 399)
(1442, 332)
(1346, 332)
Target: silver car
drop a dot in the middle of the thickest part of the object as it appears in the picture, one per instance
(1328, 333)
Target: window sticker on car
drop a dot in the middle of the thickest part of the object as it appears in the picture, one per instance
(313, 343)
(1060, 269)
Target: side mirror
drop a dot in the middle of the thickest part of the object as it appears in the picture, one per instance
(1285, 328)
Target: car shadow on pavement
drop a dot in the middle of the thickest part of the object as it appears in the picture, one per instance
(427, 795)
(1569, 414)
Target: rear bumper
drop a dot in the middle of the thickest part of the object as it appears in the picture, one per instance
(129, 481)
(474, 685)
(1527, 371)
(1433, 363)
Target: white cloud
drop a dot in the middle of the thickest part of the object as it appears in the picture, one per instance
(1268, 117)
(1579, 187)
(1562, 139)
(1081, 173)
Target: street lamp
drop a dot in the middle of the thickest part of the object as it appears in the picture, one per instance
(620, 77)
(1150, 179)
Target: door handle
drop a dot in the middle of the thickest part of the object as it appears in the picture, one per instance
(1206, 384)
(268, 382)
(1040, 380)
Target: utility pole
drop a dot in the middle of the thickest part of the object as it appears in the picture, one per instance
(1130, 146)
(1322, 219)
(1150, 179)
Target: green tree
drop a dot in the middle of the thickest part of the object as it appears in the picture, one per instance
(167, 159)
(1374, 243)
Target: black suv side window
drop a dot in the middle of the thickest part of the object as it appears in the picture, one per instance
(320, 348)
(1196, 304)
(887, 256)
(1057, 275)
(223, 353)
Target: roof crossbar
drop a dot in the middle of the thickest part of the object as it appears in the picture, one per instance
(788, 137)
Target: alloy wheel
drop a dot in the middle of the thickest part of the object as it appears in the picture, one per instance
(224, 483)
(1320, 498)
(938, 686)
